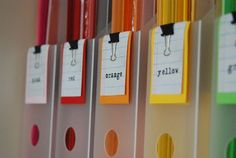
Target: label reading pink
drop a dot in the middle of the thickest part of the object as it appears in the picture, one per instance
(36, 76)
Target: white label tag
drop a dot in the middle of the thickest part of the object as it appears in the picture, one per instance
(113, 75)
(227, 55)
(36, 79)
(72, 70)
(167, 72)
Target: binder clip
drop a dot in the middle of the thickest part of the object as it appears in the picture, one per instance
(234, 18)
(234, 22)
(167, 32)
(73, 47)
(114, 39)
(37, 55)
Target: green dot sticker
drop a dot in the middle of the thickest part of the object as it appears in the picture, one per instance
(231, 150)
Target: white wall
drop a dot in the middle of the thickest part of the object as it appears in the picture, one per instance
(17, 27)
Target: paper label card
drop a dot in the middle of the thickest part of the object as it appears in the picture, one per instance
(114, 65)
(167, 73)
(36, 76)
(169, 63)
(115, 55)
(227, 59)
(73, 72)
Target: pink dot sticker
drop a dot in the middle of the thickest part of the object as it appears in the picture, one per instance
(34, 135)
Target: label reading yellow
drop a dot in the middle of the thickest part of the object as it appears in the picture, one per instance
(169, 63)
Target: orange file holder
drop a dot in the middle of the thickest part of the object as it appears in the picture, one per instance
(119, 113)
(121, 15)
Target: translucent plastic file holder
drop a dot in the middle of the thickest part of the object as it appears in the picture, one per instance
(79, 117)
(42, 116)
(126, 121)
(178, 121)
(223, 126)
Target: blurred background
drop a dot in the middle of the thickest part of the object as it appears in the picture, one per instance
(17, 29)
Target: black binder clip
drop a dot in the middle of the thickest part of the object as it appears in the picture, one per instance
(114, 39)
(234, 18)
(73, 47)
(37, 51)
(234, 22)
(167, 32)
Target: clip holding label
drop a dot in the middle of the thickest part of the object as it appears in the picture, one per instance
(114, 38)
(234, 23)
(73, 47)
(37, 56)
(234, 18)
(37, 49)
(167, 32)
(73, 60)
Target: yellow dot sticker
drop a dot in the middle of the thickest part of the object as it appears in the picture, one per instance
(165, 146)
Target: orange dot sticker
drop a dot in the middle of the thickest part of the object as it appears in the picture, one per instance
(165, 146)
(34, 135)
(111, 143)
(70, 139)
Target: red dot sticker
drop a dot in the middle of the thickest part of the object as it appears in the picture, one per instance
(70, 138)
(34, 135)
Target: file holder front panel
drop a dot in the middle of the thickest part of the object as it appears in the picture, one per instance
(175, 122)
(78, 117)
(39, 119)
(119, 128)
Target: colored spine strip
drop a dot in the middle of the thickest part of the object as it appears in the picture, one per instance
(41, 26)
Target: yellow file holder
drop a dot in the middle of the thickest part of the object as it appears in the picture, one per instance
(177, 122)
(182, 10)
(169, 11)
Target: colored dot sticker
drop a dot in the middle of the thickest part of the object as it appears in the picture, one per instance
(165, 146)
(111, 143)
(34, 135)
(70, 139)
(231, 150)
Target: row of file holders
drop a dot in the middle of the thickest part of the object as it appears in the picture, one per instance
(139, 125)
(92, 121)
